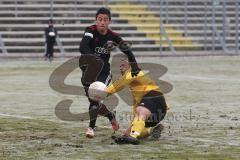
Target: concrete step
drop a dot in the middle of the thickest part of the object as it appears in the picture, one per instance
(65, 41)
(48, 6)
(72, 34)
(78, 39)
(34, 27)
(41, 49)
(72, 18)
(88, 24)
(44, 20)
(78, 33)
(30, 2)
(142, 47)
(154, 21)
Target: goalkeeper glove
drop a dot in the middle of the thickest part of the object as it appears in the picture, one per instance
(135, 70)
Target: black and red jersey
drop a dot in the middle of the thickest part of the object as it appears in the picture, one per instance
(95, 43)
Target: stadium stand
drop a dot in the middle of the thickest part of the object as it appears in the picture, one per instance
(189, 25)
(148, 22)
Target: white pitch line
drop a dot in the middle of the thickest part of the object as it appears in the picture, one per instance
(15, 116)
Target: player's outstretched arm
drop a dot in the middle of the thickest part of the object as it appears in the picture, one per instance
(120, 83)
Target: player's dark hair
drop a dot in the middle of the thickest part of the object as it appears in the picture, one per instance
(104, 10)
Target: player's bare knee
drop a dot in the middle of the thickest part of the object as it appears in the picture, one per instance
(143, 112)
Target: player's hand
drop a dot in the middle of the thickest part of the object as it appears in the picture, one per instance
(135, 71)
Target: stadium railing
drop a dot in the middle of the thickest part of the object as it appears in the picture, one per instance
(214, 24)
(157, 26)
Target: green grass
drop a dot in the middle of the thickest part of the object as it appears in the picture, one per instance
(40, 139)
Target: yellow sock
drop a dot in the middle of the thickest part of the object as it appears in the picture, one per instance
(145, 133)
(138, 126)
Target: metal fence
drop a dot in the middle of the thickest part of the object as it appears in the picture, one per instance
(212, 24)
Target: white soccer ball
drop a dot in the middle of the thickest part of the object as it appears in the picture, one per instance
(52, 34)
(97, 91)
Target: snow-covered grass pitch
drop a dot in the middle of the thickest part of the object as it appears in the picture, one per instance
(203, 121)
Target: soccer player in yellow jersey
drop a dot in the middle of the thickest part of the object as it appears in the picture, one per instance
(149, 105)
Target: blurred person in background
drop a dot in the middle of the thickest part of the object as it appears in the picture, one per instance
(50, 40)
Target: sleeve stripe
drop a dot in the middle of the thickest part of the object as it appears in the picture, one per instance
(88, 34)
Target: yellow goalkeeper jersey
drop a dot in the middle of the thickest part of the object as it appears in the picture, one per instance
(139, 86)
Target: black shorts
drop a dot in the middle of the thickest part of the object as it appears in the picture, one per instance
(155, 102)
(87, 79)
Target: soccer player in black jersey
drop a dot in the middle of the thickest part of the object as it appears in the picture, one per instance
(96, 43)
